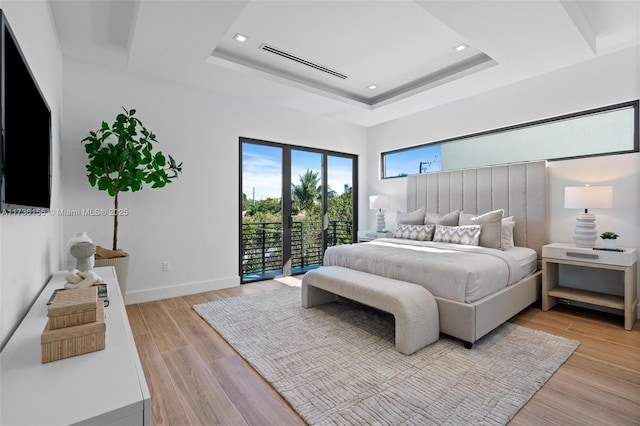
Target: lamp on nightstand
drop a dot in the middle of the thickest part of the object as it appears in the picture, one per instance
(379, 202)
(587, 197)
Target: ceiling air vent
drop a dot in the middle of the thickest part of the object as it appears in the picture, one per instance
(289, 56)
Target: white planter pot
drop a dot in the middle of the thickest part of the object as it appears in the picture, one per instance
(121, 265)
(610, 243)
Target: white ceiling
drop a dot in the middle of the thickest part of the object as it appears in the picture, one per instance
(404, 47)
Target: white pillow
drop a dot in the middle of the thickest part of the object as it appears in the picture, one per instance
(507, 233)
(468, 234)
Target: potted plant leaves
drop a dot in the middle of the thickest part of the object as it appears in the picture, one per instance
(122, 158)
(609, 239)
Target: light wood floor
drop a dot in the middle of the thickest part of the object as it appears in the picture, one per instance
(196, 378)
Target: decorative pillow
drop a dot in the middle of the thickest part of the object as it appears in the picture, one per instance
(414, 232)
(413, 218)
(491, 224)
(449, 219)
(467, 234)
(507, 233)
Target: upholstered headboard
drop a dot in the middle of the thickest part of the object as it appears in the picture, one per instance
(520, 189)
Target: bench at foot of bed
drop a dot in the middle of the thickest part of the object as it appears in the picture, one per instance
(414, 308)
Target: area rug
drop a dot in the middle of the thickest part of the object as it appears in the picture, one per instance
(337, 363)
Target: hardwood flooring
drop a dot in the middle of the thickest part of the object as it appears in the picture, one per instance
(196, 378)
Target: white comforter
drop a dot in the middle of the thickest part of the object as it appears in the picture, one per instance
(451, 271)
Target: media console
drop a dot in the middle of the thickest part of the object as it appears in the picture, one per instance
(106, 387)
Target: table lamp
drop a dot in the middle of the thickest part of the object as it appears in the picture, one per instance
(587, 197)
(379, 202)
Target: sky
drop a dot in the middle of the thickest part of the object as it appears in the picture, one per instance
(409, 161)
(262, 170)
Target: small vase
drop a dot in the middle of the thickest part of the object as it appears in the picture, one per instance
(610, 243)
(81, 250)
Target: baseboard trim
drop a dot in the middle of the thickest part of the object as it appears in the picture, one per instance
(149, 295)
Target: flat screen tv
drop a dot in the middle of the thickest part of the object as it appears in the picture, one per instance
(25, 138)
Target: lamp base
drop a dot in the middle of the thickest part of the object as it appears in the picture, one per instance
(380, 225)
(585, 234)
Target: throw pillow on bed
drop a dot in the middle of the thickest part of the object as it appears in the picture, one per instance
(413, 218)
(414, 232)
(467, 234)
(507, 233)
(491, 227)
(449, 219)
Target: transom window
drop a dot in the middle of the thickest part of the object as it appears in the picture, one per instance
(602, 131)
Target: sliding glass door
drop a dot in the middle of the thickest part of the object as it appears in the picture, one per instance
(295, 202)
(261, 233)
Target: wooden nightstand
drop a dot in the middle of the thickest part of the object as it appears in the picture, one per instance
(364, 236)
(557, 254)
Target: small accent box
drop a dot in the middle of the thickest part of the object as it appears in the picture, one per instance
(73, 307)
(74, 340)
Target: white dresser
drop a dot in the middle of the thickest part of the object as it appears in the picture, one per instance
(106, 387)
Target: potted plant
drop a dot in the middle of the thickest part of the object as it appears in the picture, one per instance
(609, 239)
(122, 158)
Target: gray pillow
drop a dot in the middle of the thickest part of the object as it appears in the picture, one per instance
(412, 218)
(491, 227)
(449, 219)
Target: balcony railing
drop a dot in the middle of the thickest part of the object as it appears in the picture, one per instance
(262, 245)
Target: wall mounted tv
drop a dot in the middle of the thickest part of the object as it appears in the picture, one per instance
(25, 138)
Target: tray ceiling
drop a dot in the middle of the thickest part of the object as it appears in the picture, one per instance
(329, 53)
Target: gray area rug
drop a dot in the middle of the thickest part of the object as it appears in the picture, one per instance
(337, 363)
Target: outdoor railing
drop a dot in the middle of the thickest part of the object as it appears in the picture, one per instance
(262, 244)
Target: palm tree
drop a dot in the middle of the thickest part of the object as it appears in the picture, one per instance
(308, 193)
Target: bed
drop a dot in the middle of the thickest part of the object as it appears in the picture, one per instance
(477, 287)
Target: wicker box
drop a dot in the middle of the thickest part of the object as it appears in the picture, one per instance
(74, 340)
(73, 307)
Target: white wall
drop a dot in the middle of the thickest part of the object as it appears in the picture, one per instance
(603, 81)
(30, 247)
(193, 222)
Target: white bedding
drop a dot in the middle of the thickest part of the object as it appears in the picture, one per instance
(527, 258)
(452, 271)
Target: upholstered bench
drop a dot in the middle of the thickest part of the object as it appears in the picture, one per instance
(414, 308)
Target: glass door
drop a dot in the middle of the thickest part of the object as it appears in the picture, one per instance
(261, 230)
(340, 200)
(289, 215)
(307, 210)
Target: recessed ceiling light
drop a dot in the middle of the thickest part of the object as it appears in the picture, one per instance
(373, 86)
(461, 47)
(241, 38)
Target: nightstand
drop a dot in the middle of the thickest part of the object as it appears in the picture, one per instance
(364, 236)
(557, 254)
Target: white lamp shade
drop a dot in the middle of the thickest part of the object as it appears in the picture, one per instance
(588, 197)
(378, 202)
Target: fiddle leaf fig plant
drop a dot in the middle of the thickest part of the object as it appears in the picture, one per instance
(122, 158)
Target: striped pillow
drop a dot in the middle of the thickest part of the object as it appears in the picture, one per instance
(467, 234)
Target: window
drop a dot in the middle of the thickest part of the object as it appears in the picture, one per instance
(603, 131)
(421, 159)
